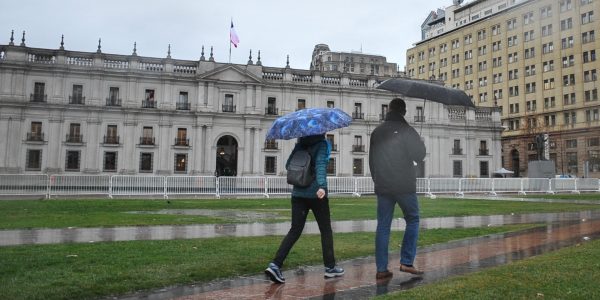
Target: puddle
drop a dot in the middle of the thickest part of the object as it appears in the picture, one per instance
(229, 214)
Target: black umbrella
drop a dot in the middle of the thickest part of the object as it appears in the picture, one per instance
(428, 91)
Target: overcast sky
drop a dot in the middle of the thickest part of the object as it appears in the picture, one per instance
(275, 27)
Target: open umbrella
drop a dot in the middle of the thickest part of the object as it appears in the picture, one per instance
(308, 121)
(428, 91)
(503, 172)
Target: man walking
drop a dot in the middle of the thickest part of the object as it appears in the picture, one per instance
(394, 149)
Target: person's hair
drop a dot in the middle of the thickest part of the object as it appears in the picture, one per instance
(398, 105)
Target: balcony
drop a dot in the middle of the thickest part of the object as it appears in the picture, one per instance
(228, 108)
(182, 142)
(35, 137)
(271, 111)
(76, 100)
(148, 104)
(420, 118)
(74, 138)
(358, 148)
(148, 141)
(484, 152)
(182, 106)
(271, 145)
(38, 98)
(111, 140)
(457, 151)
(358, 115)
(113, 101)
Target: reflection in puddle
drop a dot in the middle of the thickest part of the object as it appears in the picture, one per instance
(168, 232)
(238, 215)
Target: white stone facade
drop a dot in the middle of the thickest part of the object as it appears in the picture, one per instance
(70, 112)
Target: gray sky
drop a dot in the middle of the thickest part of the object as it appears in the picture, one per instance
(275, 27)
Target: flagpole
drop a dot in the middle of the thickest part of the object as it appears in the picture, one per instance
(231, 22)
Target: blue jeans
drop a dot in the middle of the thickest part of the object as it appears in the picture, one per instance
(385, 213)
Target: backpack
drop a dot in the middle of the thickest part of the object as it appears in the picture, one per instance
(300, 170)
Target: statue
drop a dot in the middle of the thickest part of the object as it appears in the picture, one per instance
(540, 142)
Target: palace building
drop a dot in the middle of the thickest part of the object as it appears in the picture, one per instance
(535, 60)
(72, 112)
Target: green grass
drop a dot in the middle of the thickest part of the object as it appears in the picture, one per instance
(570, 273)
(105, 212)
(585, 196)
(83, 271)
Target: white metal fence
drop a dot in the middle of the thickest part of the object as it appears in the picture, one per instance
(130, 185)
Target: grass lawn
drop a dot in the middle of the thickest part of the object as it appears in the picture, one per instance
(586, 196)
(570, 273)
(84, 271)
(107, 212)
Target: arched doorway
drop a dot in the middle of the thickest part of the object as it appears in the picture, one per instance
(227, 152)
(514, 155)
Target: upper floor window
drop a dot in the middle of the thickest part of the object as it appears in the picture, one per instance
(113, 97)
(301, 104)
(182, 101)
(39, 92)
(566, 5)
(228, 103)
(77, 95)
(587, 17)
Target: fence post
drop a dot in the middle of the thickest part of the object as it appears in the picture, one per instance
(550, 186)
(522, 192)
(217, 185)
(355, 193)
(110, 187)
(165, 196)
(493, 192)
(47, 187)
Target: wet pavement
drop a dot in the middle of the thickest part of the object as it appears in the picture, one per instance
(170, 232)
(438, 261)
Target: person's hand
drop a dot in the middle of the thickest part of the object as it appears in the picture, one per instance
(321, 193)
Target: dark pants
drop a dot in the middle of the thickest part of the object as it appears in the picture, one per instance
(300, 208)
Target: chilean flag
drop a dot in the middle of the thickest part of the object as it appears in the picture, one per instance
(233, 36)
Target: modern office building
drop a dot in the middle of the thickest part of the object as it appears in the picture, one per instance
(533, 59)
(73, 112)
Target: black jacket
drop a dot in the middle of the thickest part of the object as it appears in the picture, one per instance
(394, 147)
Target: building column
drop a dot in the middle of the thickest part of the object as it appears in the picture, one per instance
(256, 153)
(209, 153)
(197, 150)
(246, 151)
(91, 156)
(130, 160)
(55, 138)
(163, 156)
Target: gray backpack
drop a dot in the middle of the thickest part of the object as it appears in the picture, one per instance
(300, 170)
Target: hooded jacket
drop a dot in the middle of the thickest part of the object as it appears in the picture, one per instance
(320, 158)
(394, 148)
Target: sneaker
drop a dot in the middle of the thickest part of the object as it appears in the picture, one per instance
(274, 273)
(333, 272)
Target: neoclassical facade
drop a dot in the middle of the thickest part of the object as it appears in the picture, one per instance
(73, 112)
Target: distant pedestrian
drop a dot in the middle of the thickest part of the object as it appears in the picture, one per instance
(395, 147)
(313, 197)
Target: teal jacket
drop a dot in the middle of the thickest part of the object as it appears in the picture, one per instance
(320, 156)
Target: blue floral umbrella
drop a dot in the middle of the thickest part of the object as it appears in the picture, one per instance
(308, 121)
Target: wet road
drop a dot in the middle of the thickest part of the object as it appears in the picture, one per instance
(439, 261)
(131, 233)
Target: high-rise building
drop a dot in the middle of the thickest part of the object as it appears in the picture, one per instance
(74, 112)
(535, 60)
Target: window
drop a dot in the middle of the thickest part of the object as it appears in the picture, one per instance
(547, 48)
(111, 136)
(497, 94)
(180, 163)
(513, 91)
(528, 36)
(228, 103)
(468, 39)
(569, 99)
(270, 165)
(591, 95)
(110, 161)
(513, 57)
(468, 55)
(566, 24)
(455, 44)
(181, 139)
(528, 18)
(146, 161)
(357, 167)
(513, 74)
(496, 29)
(548, 84)
(546, 11)
(77, 95)
(39, 89)
(74, 135)
(547, 30)
(483, 81)
(529, 53)
(588, 37)
(511, 24)
(569, 61)
(496, 46)
(482, 50)
(484, 169)
(149, 99)
(301, 104)
(569, 79)
(565, 5)
(590, 75)
(550, 120)
(512, 41)
(530, 70)
(147, 136)
(548, 65)
(331, 166)
(497, 62)
(457, 168)
(72, 160)
(549, 102)
(36, 132)
(587, 17)
(572, 162)
(331, 139)
(498, 78)
(589, 56)
(591, 115)
(330, 104)
(456, 149)
(570, 118)
(33, 160)
(182, 101)
(358, 144)
(482, 66)
(567, 42)
(481, 35)
(529, 87)
(357, 114)
(531, 105)
(113, 97)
